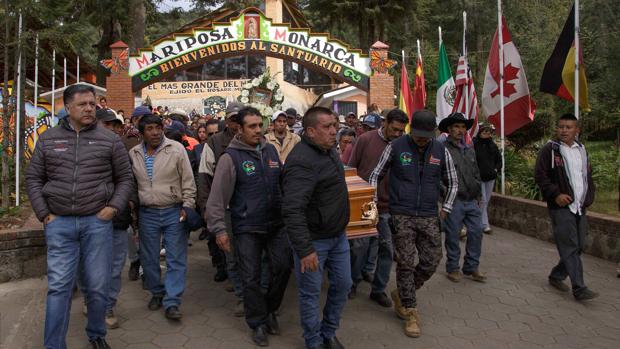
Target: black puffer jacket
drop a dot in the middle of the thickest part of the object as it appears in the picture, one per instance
(315, 202)
(78, 174)
(488, 157)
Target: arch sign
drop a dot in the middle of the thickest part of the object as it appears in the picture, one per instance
(249, 34)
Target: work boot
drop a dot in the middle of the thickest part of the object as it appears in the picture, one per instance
(381, 298)
(558, 285)
(273, 327)
(411, 323)
(134, 270)
(398, 306)
(99, 343)
(585, 295)
(111, 320)
(454, 276)
(173, 313)
(156, 302)
(476, 276)
(259, 336)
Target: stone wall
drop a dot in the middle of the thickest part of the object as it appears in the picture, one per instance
(531, 218)
(22, 254)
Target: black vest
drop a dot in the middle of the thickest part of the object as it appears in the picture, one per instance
(257, 199)
(415, 177)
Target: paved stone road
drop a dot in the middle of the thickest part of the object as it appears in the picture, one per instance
(515, 309)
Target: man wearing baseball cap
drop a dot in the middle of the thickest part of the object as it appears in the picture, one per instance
(466, 209)
(291, 120)
(416, 164)
(216, 145)
(280, 137)
(371, 122)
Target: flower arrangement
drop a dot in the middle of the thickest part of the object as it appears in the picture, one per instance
(264, 94)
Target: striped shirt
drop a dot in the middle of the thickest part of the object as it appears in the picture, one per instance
(149, 160)
(448, 173)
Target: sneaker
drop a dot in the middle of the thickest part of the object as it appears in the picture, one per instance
(558, 285)
(488, 230)
(239, 310)
(585, 295)
(110, 319)
(398, 307)
(273, 327)
(134, 270)
(155, 302)
(259, 336)
(368, 277)
(381, 299)
(99, 343)
(353, 292)
(454, 276)
(476, 276)
(411, 323)
(173, 313)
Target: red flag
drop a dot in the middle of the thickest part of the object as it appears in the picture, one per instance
(464, 78)
(405, 100)
(518, 106)
(419, 88)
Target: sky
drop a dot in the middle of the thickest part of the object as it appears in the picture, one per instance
(167, 5)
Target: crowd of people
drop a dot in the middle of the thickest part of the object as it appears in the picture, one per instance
(110, 187)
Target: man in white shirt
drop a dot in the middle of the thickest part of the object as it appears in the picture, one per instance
(564, 175)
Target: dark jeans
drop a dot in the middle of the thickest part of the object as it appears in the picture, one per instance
(72, 242)
(154, 223)
(362, 249)
(218, 257)
(569, 233)
(468, 213)
(334, 257)
(249, 249)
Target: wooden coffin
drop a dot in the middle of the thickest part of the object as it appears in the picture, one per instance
(363, 212)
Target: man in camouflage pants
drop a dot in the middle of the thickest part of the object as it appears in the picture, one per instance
(416, 163)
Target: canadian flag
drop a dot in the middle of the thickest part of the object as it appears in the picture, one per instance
(518, 106)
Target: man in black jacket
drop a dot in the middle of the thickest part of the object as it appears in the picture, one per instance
(247, 180)
(489, 161)
(79, 178)
(315, 209)
(564, 175)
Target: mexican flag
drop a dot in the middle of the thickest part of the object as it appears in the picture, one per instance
(446, 89)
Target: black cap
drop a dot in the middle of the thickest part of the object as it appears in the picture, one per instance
(423, 123)
(291, 112)
(106, 115)
(455, 118)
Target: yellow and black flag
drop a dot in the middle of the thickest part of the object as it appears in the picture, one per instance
(558, 77)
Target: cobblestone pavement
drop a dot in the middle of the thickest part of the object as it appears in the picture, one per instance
(514, 309)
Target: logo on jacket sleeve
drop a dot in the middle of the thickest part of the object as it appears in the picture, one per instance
(434, 161)
(273, 164)
(406, 158)
(248, 167)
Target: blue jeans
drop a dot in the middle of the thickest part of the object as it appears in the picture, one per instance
(334, 257)
(119, 254)
(155, 222)
(76, 242)
(385, 255)
(468, 213)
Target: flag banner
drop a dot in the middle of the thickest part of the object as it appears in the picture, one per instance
(463, 79)
(419, 88)
(405, 101)
(445, 85)
(558, 77)
(518, 106)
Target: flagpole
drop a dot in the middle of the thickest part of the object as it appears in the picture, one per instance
(19, 109)
(501, 92)
(65, 71)
(440, 39)
(35, 136)
(53, 81)
(466, 87)
(577, 59)
(77, 79)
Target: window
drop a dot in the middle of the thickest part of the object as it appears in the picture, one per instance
(343, 108)
(236, 68)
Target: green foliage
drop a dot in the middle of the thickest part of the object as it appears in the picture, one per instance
(520, 174)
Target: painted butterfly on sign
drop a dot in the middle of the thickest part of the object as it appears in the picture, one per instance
(380, 63)
(117, 64)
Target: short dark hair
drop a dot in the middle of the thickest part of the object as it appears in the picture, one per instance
(67, 95)
(311, 117)
(212, 122)
(245, 112)
(147, 120)
(398, 116)
(102, 98)
(568, 116)
(348, 132)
